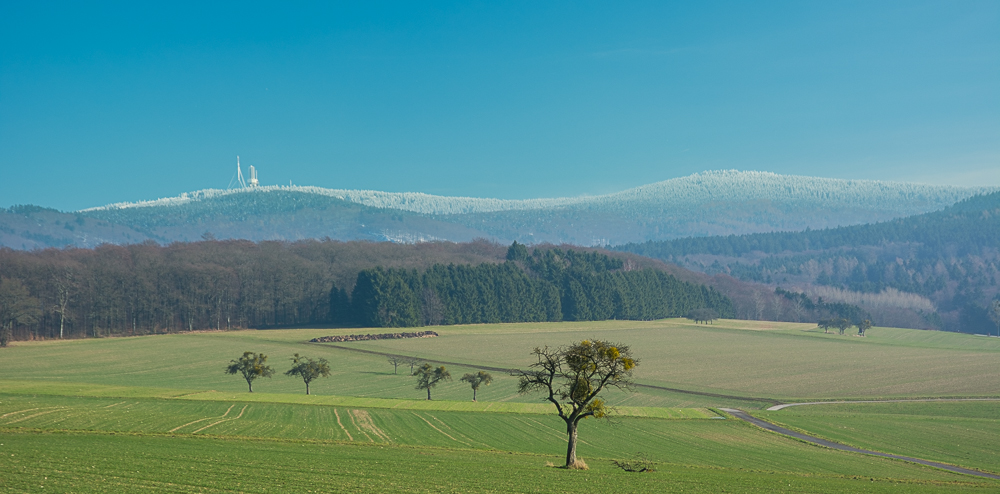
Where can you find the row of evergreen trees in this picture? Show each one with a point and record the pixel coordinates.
(546, 285)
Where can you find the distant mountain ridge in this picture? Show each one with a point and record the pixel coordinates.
(700, 188)
(942, 267)
(708, 203)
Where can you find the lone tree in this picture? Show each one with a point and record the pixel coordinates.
(864, 326)
(251, 365)
(412, 362)
(428, 377)
(395, 361)
(573, 376)
(476, 380)
(17, 306)
(309, 369)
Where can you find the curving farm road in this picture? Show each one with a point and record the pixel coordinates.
(848, 402)
(829, 444)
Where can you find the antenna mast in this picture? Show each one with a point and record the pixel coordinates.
(239, 173)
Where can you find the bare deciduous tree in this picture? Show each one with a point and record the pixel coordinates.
(395, 361)
(573, 376)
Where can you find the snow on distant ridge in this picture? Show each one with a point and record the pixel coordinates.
(700, 188)
(739, 186)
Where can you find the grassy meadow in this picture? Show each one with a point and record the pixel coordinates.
(961, 433)
(158, 412)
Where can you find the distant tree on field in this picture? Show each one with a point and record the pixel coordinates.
(573, 376)
(476, 380)
(308, 369)
(704, 315)
(995, 314)
(395, 361)
(17, 306)
(842, 324)
(826, 324)
(412, 362)
(864, 326)
(428, 377)
(251, 365)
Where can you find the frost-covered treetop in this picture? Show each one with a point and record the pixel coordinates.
(727, 186)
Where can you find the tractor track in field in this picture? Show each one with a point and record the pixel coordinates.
(508, 370)
(763, 424)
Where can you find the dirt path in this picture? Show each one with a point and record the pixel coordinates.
(848, 402)
(832, 445)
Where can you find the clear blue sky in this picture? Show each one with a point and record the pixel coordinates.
(105, 102)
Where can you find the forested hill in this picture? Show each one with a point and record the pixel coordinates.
(943, 268)
(969, 225)
(146, 288)
(548, 284)
(709, 203)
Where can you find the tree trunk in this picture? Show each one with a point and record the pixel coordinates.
(307, 388)
(473, 394)
(250, 385)
(428, 392)
(571, 447)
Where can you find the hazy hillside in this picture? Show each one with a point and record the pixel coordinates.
(940, 268)
(710, 203)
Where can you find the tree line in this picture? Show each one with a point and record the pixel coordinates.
(148, 288)
(545, 285)
(949, 257)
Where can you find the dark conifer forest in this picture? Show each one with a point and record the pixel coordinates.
(547, 285)
(147, 288)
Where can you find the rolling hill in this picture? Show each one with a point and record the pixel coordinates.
(942, 266)
(709, 203)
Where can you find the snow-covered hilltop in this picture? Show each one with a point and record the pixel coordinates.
(709, 203)
(728, 186)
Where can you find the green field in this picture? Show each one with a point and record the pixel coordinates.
(158, 412)
(960, 433)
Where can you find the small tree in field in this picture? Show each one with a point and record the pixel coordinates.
(412, 362)
(573, 376)
(476, 380)
(251, 365)
(842, 324)
(864, 326)
(395, 361)
(428, 377)
(309, 369)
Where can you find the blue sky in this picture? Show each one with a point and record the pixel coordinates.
(105, 102)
